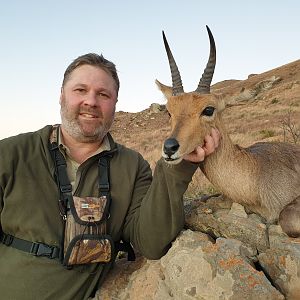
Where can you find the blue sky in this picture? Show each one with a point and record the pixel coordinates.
(39, 39)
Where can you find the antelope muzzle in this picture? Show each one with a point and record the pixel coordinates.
(170, 149)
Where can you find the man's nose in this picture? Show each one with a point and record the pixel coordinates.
(90, 99)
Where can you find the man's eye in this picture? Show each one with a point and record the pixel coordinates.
(80, 90)
(103, 95)
(208, 111)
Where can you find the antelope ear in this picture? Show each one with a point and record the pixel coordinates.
(166, 90)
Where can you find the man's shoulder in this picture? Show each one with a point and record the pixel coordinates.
(25, 139)
(129, 155)
(124, 150)
(128, 161)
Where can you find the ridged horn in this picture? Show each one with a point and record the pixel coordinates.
(205, 81)
(177, 87)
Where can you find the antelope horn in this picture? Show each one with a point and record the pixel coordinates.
(205, 81)
(177, 87)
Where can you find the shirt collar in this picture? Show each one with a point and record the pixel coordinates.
(105, 145)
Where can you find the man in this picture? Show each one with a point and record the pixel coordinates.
(146, 212)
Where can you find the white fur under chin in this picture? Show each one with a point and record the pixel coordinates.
(173, 162)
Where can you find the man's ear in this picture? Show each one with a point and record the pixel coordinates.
(61, 94)
(166, 90)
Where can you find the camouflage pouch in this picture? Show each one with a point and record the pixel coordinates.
(85, 239)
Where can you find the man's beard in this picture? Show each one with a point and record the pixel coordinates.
(74, 128)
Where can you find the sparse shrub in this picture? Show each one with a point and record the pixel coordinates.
(266, 133)
(291, 132)
(274, 101)
(295, 104)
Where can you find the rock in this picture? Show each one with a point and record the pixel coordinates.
(250, 94)
(267, 84)
(230, 223)
(238, 210)
(156, 108)
(195, 267)
(251, 75)
(282, 262)
(117, 279)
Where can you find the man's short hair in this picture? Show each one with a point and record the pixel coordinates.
(95, 60)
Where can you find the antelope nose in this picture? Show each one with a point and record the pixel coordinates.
(170, 146)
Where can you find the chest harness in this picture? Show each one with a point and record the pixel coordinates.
(84, 238)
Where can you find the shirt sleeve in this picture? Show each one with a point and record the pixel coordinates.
(156, 215)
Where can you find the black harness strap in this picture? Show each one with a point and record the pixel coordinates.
(104, 190)
(103, 171)
(63, 183)
(36, 248)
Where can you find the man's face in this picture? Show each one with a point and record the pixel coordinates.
(88, 101)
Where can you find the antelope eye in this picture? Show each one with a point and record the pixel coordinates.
(208, 111)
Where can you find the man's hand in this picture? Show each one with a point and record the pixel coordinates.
(211, 142)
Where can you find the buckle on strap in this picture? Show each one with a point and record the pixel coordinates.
(104, 187)
(40, 249)
(66, 188)
(7, 239)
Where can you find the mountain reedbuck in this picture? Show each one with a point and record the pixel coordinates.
(265, 177)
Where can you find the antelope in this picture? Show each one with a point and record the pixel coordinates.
(264, 178)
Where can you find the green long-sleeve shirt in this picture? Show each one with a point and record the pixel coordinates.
(144, 211)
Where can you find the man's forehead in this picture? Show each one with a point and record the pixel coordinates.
(85, 73)
(85, 69)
